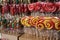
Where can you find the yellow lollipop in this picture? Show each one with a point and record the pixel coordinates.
(34, 21)
(48, 23)
(40, 26)
(57, 25)
(23, 20)
(26, 22)
(55, 19)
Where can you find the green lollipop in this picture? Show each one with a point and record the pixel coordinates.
(12, 25)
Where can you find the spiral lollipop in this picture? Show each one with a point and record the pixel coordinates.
(58, 5)
(48, 23)
(31, 7)
(30, 20)
(40, 26)
(39, 23)
(55, 19)
(34, 21)
(42, 6)
(37, 6)
(26, 22)
(23, 20)
(50, 7)
(57, 24)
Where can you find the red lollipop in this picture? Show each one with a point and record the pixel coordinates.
(37, 6)
(42, 6)
(4, 9)
(25, 7)
(21, 8)
(30, 20)
(12, 9)
(17, 8)
(50, 7)
(58, 5)
(31, 7)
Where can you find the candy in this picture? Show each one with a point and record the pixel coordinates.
(31, 7)
(50, 7)
(41, 22)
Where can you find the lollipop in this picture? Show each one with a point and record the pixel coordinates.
(25, 8)
(12, 9)
(3, 10)
(50, 7)
(42, 6)
(55, 19)
(48, 23)
(58, 5)
(21, 8)
(39, 23)
(26, 22)
(23, 20)
(40, 26)
(31, 7)
(37, 6)
(34, 21)
(30, 20)
(17, 8)
(39, 19)
(57, 25)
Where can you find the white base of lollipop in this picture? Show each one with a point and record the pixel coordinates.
(31, 31)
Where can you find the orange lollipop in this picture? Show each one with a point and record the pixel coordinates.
(57, 24)
(35, 20)
(39, 23)
(26, 22)
(40, 26)
(30, 20)
(23, 20)
(48, 23)
(55, 19)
